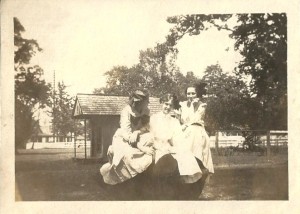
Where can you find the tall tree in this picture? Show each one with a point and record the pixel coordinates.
(121, 80)
(230, 105)
(262, 41)
(31, 91)
(25, 49)
(62, 122)
(156, 71)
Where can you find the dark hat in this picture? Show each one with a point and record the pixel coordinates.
(139, 95)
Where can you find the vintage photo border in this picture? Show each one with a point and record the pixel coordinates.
(7, 162)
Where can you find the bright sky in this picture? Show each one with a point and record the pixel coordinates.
(81, 40)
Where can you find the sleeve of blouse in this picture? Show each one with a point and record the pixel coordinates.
(177, 136)
(181, 121)
(199, 115)
(152, 124)
(125, 124)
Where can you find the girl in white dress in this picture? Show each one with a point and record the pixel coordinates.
(168, 144)
(191, 118)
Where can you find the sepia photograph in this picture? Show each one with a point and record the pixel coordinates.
(127, 101)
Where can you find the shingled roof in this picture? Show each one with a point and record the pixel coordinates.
(95, 104)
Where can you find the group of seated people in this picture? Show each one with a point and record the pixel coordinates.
(173, 143)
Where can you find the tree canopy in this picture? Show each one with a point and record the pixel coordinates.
(62, 103)
(262, 41)
(156, 72)
(31, 91)
(229, 104)
(61, 112)
(25, 49)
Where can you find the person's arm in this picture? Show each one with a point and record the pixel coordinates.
(145, 144)
(145, 124)
(149, 150)
(159, 144)
(125, 124)
(178, 139)
(133, 138)
(186, 115)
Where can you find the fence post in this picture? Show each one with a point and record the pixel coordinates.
(84, 138)
(217, 142)
(268, 145)
(74, 145)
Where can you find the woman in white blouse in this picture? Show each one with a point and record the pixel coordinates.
(168, 142)
(176, 172)
(191, 117)
(126, 160)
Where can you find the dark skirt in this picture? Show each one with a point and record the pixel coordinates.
(167, 184)
(160, 181)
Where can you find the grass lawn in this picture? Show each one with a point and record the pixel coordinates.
(52, 175)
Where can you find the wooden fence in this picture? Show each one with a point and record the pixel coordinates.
(266, 142)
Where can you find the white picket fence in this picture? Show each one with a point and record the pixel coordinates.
(277, 138)
(226, 141)
(57, 145)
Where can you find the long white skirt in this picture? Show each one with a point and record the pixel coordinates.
(188, 167)
(125, 162)
(197, 141)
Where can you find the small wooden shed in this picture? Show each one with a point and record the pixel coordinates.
(103, 113)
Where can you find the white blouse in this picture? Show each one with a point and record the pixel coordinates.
(165, 129)
(190, 115)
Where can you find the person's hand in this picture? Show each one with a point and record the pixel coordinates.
(196, 100)
(133, 138)
(183, 127)
(203, 105)
(147, 150)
